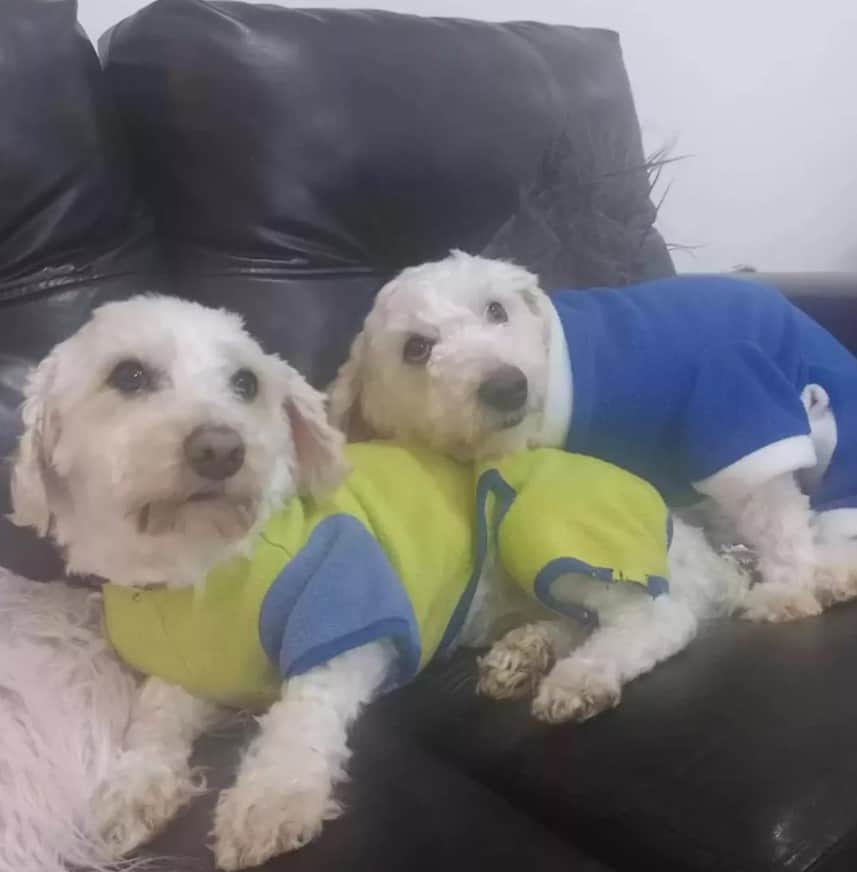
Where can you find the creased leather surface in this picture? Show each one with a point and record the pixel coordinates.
(295, 159)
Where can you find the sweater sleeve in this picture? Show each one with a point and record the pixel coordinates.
(338, 593)
(743, 423)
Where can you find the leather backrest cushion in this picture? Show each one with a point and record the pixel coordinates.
(829, 298)
(72, 233)
(295, 159)
(65, 194)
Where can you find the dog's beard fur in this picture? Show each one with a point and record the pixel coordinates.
(452, 423)
(459, 427)
(185, 506)
(147, 520)
(464, 430)
(230, 518)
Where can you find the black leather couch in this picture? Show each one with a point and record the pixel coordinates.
(284, 163)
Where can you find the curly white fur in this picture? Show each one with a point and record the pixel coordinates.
(65, 702)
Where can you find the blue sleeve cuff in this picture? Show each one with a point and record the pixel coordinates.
(338, 593)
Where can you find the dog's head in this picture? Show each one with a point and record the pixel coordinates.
(159, 436)
(453, 354)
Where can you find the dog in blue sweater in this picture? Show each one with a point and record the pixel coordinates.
(713, 389)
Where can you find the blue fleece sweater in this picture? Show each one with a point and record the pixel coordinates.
(710, 385)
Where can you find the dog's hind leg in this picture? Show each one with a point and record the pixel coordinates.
(776, 521)
(836, 548)
(152, 779)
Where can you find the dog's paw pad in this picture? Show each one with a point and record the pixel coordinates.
(776, 602)
(141, 796)
(260, 818)
(515, 665)
(576, 691)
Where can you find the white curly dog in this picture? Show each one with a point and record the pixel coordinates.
(470, 356)
(158, 439)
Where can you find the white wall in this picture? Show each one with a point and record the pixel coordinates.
(761, 95)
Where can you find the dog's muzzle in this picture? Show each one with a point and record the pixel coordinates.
(214, 452)
(504, 390)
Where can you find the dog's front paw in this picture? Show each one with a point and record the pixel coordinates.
(270, 812)
(516, 664)
(775, 602)
(577, 689)
(142, 795)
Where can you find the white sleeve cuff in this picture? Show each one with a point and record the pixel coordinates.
(739, 478)
(835, 526)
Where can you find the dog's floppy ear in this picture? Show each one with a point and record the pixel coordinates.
(534, 297)
(34, 479)
(344, 394)
(536, 300)
(319, 457)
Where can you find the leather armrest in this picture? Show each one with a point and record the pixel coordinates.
(828, 297)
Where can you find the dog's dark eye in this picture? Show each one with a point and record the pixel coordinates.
(417, 349)
(496, 313)
(131, 377)
(245, 384)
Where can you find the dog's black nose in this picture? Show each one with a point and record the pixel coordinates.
(215, 452)
(504, 390)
